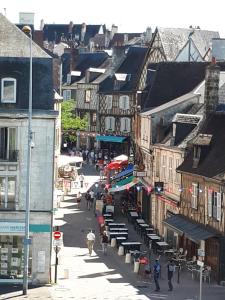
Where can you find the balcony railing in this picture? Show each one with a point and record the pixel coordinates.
(11, 156)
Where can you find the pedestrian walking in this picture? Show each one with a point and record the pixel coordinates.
(171, 270)
(88, 200)
(81, 178)
(90, 241)
(92, 195)
(105, 241)
(79, 195)
(156, 272)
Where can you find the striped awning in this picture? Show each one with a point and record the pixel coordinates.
(124, 184)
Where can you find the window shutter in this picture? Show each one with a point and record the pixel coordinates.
(218, 215)
(107, 124)
(68, 79)
(68, 94)
(127, 104)
(122, 123)
(112, 123)
(128, 125)
(64, 95)
(209, 203)
(194, 195)
(121, 102)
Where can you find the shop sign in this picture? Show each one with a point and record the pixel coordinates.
(12, 227)
(140, 173)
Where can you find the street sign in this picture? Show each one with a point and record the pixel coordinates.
(57, 235)
(200, 263)
(139, 173)
(57, 243)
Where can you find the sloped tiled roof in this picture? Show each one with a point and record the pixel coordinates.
(119, 38)
(172, 80)
(15, 43)
(174, 39)
(212, 160)
(131, 65)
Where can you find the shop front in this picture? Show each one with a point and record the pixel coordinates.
(12, 252)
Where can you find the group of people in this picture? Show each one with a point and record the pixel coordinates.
(91, 240)
(157, 272)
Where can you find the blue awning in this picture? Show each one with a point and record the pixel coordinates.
(125, 172)
(110, 138)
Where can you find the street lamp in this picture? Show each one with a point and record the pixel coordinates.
(27, 30)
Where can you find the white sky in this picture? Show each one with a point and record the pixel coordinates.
(129, 15)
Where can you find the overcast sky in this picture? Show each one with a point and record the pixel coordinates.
(128, 15)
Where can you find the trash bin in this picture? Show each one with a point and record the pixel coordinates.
(113, 242)
(128, 258)
(136, 266)
(121, 251)
(66, 273)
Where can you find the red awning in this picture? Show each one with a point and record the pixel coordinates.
(116, 165)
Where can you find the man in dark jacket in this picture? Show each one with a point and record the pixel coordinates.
(156, 273)
(171, 270)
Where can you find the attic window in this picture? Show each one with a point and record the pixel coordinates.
(8, 90)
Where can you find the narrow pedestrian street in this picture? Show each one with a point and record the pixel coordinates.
(104, 276)
(108, 277)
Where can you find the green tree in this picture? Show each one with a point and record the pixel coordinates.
(71, 123)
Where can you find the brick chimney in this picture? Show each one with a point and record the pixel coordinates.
(70, 27)
(74, 55)
(211, 98)
(118, 55)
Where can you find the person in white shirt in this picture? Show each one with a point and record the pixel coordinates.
(90, 241)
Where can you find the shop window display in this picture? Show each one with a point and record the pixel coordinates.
(12, 257)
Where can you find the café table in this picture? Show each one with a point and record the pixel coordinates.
(120, 239)
(142, 227)
(107, 221)
(108, 215)
(115, 234)
(117, 225)
(131, 246)
(161, 246)
(137, 222)
(111, 229)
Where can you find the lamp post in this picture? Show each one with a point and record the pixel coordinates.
(27, 30)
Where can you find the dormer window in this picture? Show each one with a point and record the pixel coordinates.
(8, 90)
(200, 142)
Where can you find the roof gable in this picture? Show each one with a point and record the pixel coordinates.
(15, 43)
(174, 39)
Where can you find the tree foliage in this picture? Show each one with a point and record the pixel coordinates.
(71, 123)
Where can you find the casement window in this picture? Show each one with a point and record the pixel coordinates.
(210, 197)
(216, 205)
(164, 167)
(87, 95)
(110, 123)
(124, 102)
(170, 169)
(68, 79)
(177, 175)
(8, 143)
(194, 196)
(125, 125)
(94, 118)
(109, 101)
(7, 193)
(8, 90)
(66, 94)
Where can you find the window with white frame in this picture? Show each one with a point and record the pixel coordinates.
(8, 90)
(164, 167)
(125, 124)
(94, 118)
(109, 102)
(87, 95)
(170, 169)
(8, 143)
(110, 123)
(124, 102)
(177, 175)
(194, 196)
(66, 94)
(7, 192)
(216, 205)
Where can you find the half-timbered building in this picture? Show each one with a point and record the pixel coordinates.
(117, 102)
(200, 224)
